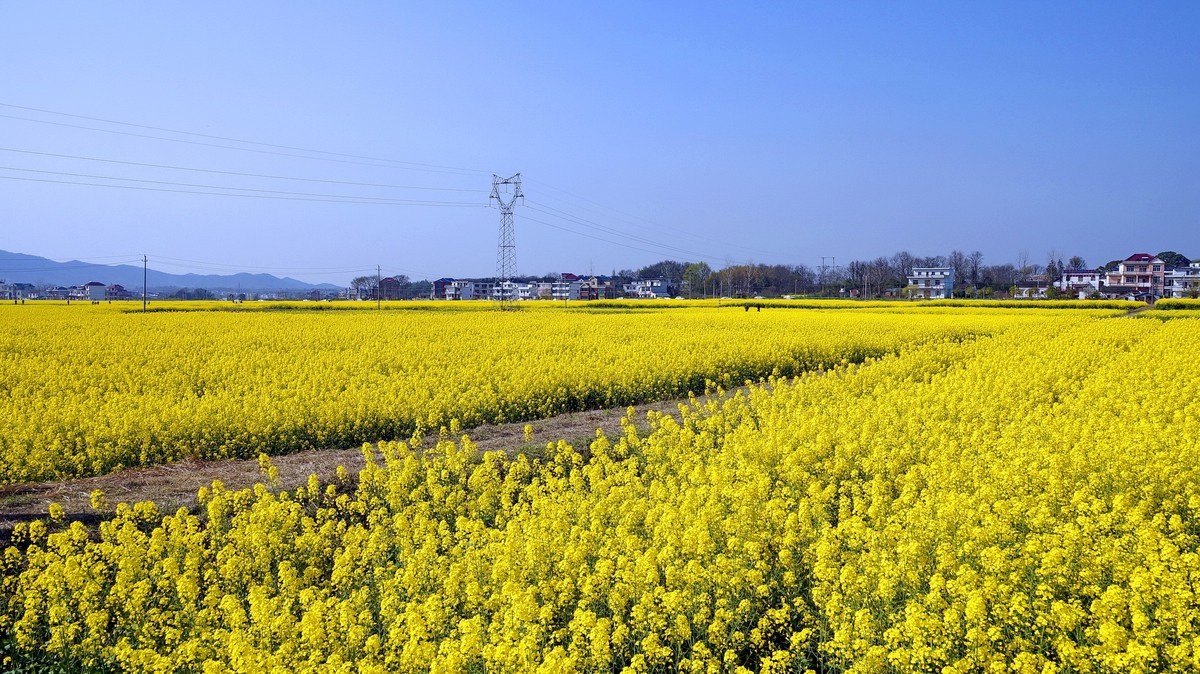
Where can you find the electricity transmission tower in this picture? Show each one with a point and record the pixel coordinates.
(506, 250)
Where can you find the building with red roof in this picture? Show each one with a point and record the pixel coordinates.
(1143, 272)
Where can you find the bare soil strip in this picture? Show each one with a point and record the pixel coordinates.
(175, 485)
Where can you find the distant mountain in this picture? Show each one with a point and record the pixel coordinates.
(21, 268)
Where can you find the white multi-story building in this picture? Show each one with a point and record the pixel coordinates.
(931, 283)
(564, 289)
(1081, 282)
(458, 290)
(1182, 281)
(508, 290)
(526, 291)
(470, 290)
(567, 287)
(647, 288)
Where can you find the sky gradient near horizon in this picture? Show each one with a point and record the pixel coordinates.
(319, 140)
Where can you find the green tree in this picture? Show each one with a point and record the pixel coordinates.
(1173, 259)
(694, 277)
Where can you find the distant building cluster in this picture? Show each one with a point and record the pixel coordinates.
(93, 291)
(1140, 276)
(566, 287)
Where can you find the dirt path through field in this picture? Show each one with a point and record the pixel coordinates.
(175, 485)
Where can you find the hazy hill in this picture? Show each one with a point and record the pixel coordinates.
(21, 268)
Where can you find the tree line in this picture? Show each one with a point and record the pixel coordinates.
(879, 277)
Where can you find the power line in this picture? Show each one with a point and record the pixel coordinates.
(583, 221)
(393, 164)
(542, 208)
(418, 165)
(226, 268)
(241, 174)
(245, 192)
(348, 200)
(200, 265)
(66, 266)
(241, 189)
(76, 259)
(256, 268)
(200, 269)
(615, 243)
(644, 221)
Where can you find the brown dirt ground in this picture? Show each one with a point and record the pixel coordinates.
(175, 485)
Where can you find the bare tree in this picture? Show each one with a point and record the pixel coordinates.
(976, 261)
(902, 264)
(877, 274)
(1023, 267)
(1054, 265)
(959, 262)
(361, 285)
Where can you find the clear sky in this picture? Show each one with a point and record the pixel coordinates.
(729, 132)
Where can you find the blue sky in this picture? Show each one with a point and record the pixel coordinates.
(728, 132)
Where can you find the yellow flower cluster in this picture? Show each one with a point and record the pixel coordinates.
(85, 390)
(1025, 501)
(1186, 304)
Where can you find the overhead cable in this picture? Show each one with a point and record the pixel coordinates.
(417, 165)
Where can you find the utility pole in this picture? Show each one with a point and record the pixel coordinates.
(143, 284)
(506, 249)
(378, 287)
(825, 272)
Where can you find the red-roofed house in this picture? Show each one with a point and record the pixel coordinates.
(1141, 271)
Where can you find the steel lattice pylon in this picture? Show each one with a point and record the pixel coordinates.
(506, 250)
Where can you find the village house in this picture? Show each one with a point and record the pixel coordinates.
(597, 288)
(439, 288)
(1138, 274)
(1081, 283)
(94, 291)
(565, 288)
(1030, 290)
(931, 283)
(17, 291)
(1182, 282)
(389, 288)
(648, 288)
(505, 291)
